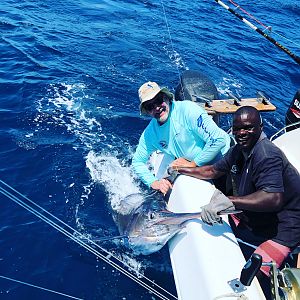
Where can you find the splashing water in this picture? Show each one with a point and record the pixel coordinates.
(69, 107)
(117, 179)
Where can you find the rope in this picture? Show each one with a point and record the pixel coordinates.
(39, 287)
(245, 243)
(105, 256)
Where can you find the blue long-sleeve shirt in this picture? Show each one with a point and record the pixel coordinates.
(189, 132)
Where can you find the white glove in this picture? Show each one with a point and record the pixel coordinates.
(218, 203)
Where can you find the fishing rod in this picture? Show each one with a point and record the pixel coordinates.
(273, 41)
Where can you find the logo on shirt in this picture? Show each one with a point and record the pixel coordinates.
(296, 108)
(234, 169)
(297, 103)
(201, 125)
(199, 121)
(295, 112)
(163, 144)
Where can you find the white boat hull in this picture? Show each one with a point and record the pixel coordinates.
(289, 144)
(204, 258)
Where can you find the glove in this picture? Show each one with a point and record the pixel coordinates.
(173, 174)
(218, 203)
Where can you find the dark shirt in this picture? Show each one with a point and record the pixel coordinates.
(293, 114)
(266, 168)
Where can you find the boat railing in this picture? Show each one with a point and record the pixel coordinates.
(283, 130)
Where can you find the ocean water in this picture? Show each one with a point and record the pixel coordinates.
(69, 120)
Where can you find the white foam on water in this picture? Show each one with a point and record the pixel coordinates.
(228, 85)
(68, 106)
(64, 105)
(117, 179)
(137, 266)
(271, 124)
(176, 58)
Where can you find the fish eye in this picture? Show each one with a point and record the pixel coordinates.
(152, 215)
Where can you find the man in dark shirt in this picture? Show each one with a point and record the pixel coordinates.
(266, 187)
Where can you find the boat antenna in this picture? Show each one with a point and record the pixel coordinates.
(261, 32)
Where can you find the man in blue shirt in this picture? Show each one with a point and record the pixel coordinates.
(181, 129)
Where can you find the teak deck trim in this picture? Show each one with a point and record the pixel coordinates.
(229, 106)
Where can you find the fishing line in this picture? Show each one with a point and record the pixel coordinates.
(269, 38)
(252, 17)
(282, 36)
(262, 24)
(39, 287)
(106, 256)
(171, 42)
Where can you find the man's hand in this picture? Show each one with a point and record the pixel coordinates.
(162, 185)
(182, 162)
(218, 203)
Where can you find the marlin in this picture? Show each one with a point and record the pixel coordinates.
(148, 225)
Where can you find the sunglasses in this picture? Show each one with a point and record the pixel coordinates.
(150, 105)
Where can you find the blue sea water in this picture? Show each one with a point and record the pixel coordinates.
(69, 120)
